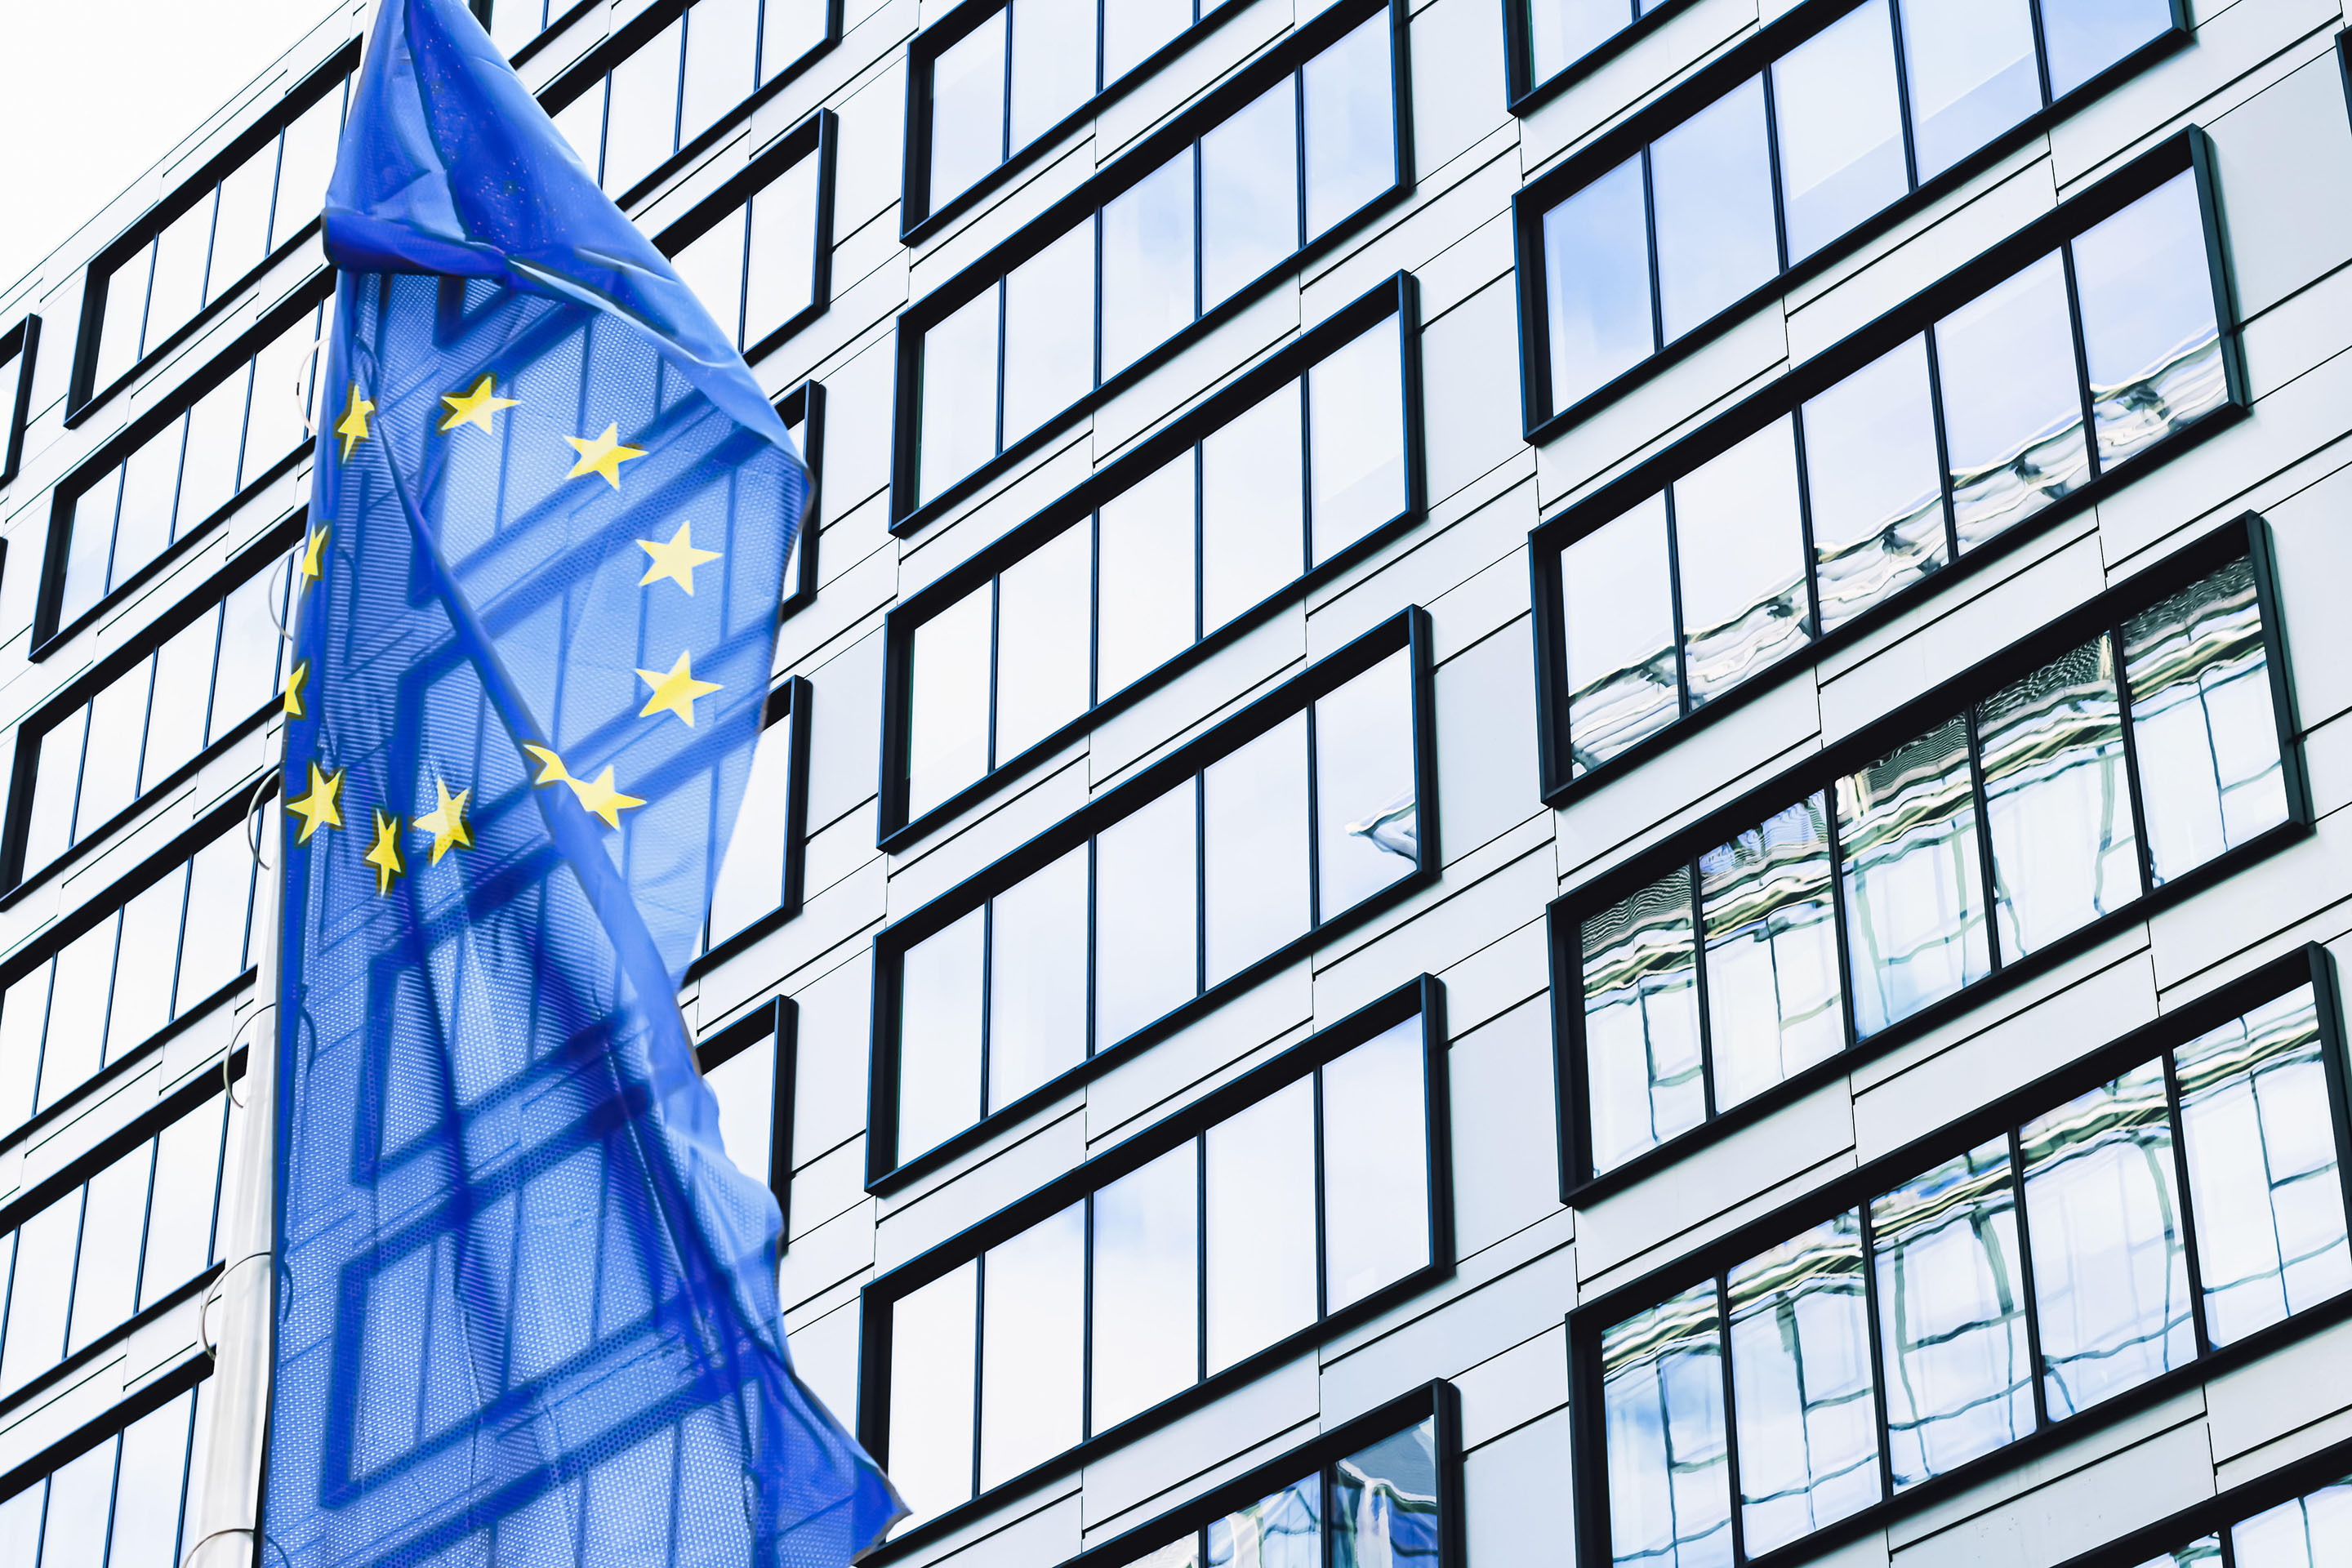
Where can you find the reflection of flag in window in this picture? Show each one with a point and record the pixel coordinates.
(1396, 828)
(1380, 1523)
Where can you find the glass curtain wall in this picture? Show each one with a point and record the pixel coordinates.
(756, 270)
(124, 1502)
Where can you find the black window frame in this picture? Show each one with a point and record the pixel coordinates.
(82, 396)
(20, 343)
(1408, 631)
(803, 405)
(2245, 537)
(1399, 297)
(1523, 95)
(2331, 1466)
(815, 136)
(2189, 151)
(564, 18)
(1590, 1321)
(789, 703)
(908, 512)
(916, 221)
(776, 1020)
(1628, 139)
(191, 1370)
(1422, 997)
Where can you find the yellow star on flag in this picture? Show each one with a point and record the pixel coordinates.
(676, 560)
(323, 806)
(313, 566)
(294, 682)
(476, 407)
(384, 853)
(601, 455)
(353, 426)
(676, 691)
(550, 766)
(446, 822)
(598, 795)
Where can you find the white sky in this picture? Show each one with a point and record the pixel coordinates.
(93, 93)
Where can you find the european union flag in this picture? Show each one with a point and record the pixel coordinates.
(526, 1307)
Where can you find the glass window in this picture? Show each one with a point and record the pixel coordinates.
(1032, 1343)
(1037, 984)
(1375, 1166)
(1249, 194)
(113, 1224)
(1914, 878)
(1282, 1530)
(1053, 63)
(959, 393)
(1384, 1502)
(2309, 1531)
(1562, 32)
(1147, 265)
(1641, 1050)
(744, 1085)
(1135, 30)
(1597, 279)
(1146, 616)
(1254, 859)
(1669, 1477)
(1774, 990)
(1041, 652)
(967, 110)
(947, 723)
(1356, 434)
(2148, 326)
(723, 52)
(1711, 192)
(2086, 37)
(940, 1032)
(1251, 517)
(1261, 1219)
(934, 1364)
(1049, 350)
(1623, 678)
(1351, 124)
(1840, 125)
(641, 113)
(1740, 538)
(1147, 915)
(1368, 818)
(1147, 1291)
(1971, 71)
(750, 881)
(2012, 402)
(780, 281)
(1870, 473)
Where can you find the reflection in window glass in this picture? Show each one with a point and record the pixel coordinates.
(934, 1358)
(1356, 399)
(1711, 195)
(967, 110)
(1641, 1023)
(1669, 1477)
(1037, 980)
(1970, 69)
(1261, 1220)
(1773, 992)
(2309, 1531)
(1914, 878)
(2086, 37)
(1870, 473)
(1254, 860)
(938, 1033)
(959, 393)
(1562, 32)
(1740, 539)
(1368, 820)
(2013, 404)
(1283, 1530)
(1147, 942)
(1597, 279)
(1375, 1166)
(1146, 615)
(1249, 194)
(1147, 267)
(1041, 644)
(947, 722)
(1840, 123)
(1624, 677)
(1053, 63)
(1251, 513)
(1048, 333)
(1385, 1503)
(2148, 326)
(744, 1085)
(1351, 123)
(1147, 1306)
(1033, 1302)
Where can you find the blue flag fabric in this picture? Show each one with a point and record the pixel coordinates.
(527, 1309)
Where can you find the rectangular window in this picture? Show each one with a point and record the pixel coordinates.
(1194, 879)
(1664, 599)
(1939, 1313)
(17, 346)
(1112, 584)
(1308, 1188)
(759, 254)
(135, 1487)
(760, 875)
(83, 763)
(1167, 237)
(1925, 857)
(1668, 229)
(749, 1066)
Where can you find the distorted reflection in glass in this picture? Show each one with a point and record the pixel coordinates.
(1147, 264)
(1037, 981)
(1740, 539)
(1640, 1022)
(1970, 67)
(1806, 1420)
(1252, 489)
(1914, 878)
(2200, 1553)
(1031, 1347)
(1367, 818)
(1041, 642)
(967, 110)
(1261, 1220)
(1355, 402)
(1183, 1554)
(2064, 847)
(2263, 1174)
(1254, 811)
(1617, 611)
(1145, 614)
(1249, 193)
(1958, 1372)
(939, 1034)
(2148, 323)
(934, 1359)
(2203, 721)
(1145, 1323)
(1840, 125)
(1669, 1475)
(2110, 1269)
(1384, 1510)
(1146, 915)
(1774, 990)
(1871, 475)
(1597, 284)
(958, 421)
(1049, 339)
(1711, 199)
(2314, 1530)
(1052, 64)
(2013, 401)
(1351, 123)
(1283, 1530)
(2086, 37)
(1375, 1166)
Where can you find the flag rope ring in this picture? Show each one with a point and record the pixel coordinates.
(252, 821)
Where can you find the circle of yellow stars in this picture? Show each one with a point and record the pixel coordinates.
(674, 691)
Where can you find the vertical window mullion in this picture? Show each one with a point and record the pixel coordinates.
(1003, 302)
(1903, 98)
(979, 1357)
(1650, 236)
(987, 976)
(1198, 785)
(2041, 51)
(2202, 1333)
(1322, 1242)
(1674, 598)
(1988, 874)
(1004, 120)
(1840, 917)
(1805, 522)
(1943, 449)
(2025, 1287)
(1698, 988)
(1772, 162)
(1314, 829)
(2145, 852)
(1200, 540)
(1878, 1347)
(2082, 359)
(1730, 1422)
(1093, 986)
(995, 663)
(1298, 119)
(1200, 1260)
(1087, 1322)
(1199, 226)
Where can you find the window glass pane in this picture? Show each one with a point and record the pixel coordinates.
(1038, 982)
(1771, 952)
(1740, 542)
(947, 703)
(1642, 1062)
(57, 775)
(221, 878)
(1032, 1345)
(175, 714)
(2262, 1173)
(711, 266)
(2110, 1270)
(1250, 524)
(1249, 191)
(1355, 400)
(1041, 645)
(1801, 1369)
(1147, 263)
(106, 1275)
(967, 110)
(782, 281)
(304, 165)
(722, 42)
(1669, 1481)
(143, 983)
(2204, 1554)
(1351, 130)
(1958, 1374)
(1254, 858)
(1914, 881)
(126, 309)
(216, 431)
(1617, 606)
(109, 772)
(180, 1221)
(1144, 616)
(1562, 32)
(24, 1014)
(2086, 37)
(1870, 473)
(1146, 1307)
(1146, 929)
(938, 1034)
(1183, 1554)
(241, 227)
(788, 30)
(1713, 178)
(40, 1291)
(151, 482)
(1285, 1530)
(1384, 1507)
(1367, 818)
(246, 675)
(1049, 339)
(273, 420)
(1135, 30)
(78, 1020)
(1841, 128)
(80, 1494)
(2202, 721)
(641, 120)
(1261, 1225)
(934, 1345)
(581, 123)
(1053, 63)
(1597, 282)
(958, 394)
(20, 1527)
(1375, 1166)
(154, 1467)
(744, 1085)
(2309, 1531)
(1970, 70)
(751, 881)
(2065, 849)
(92, 547)
(2147, 321)
(180, 252)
